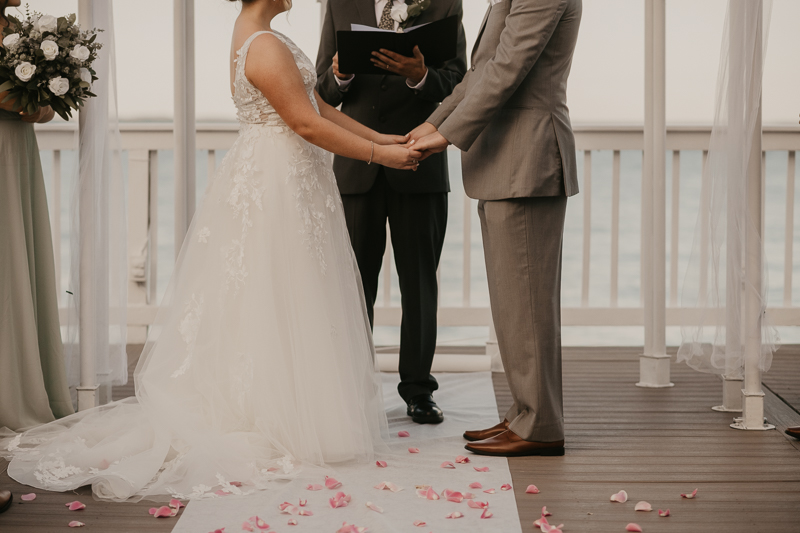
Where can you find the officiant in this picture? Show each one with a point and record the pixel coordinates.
(413, 203)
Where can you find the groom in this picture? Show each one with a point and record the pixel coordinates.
(509, 117)
(414, 203)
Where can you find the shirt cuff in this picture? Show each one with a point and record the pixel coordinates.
(344, 84)
(421, 84)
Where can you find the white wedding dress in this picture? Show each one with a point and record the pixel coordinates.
(260, 364)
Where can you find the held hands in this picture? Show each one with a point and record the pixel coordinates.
(399, 156)
(427, 139)
(413, 68)
(386, 140)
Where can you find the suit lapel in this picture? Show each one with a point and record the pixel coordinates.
(480, 33)
(366, 12)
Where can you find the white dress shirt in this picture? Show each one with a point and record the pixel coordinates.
(379, 5)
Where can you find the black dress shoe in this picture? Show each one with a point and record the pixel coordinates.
(5, 500)
(423, 410)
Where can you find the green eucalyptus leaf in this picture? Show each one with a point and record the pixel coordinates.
(6, 86)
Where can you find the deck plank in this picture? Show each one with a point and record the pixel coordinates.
(655, 444)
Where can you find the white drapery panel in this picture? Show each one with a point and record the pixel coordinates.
(97, 318)
(716, 282)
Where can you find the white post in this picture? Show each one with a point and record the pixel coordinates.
(184, 98)
(753, 397)
(138, 230)
(654, 371)
(88, 388)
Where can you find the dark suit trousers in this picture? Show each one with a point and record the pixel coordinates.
(522, 240)
(417, 225)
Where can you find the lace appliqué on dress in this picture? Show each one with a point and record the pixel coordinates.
(189, 328)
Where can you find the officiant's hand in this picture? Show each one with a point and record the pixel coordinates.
(426, 128)
(336, 68)
(413, 68)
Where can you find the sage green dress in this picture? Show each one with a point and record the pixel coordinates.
(33, 383)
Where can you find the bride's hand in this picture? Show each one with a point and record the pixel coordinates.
(396, 156)
(387, 140)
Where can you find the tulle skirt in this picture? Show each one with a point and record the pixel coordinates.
(260, 363)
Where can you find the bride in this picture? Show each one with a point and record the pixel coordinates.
(260, 363)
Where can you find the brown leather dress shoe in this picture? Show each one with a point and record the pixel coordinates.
(481, 434)
(5, 500)
(793, 432)
(509, 444)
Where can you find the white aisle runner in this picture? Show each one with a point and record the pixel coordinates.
(468, 402)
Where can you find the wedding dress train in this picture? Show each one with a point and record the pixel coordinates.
(260, 363)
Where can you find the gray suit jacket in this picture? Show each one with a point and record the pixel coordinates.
(385, 103)
(509, 116)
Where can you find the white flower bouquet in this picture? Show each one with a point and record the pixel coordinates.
(45, 61)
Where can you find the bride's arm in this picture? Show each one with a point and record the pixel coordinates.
(340, 119)
(271, 69)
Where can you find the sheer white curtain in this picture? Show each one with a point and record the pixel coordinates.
(99, 197)
(715, 282)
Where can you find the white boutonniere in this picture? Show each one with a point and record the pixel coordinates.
(405, 12)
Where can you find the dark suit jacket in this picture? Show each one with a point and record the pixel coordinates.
(386, 103)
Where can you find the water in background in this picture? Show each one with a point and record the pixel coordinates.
(600, 256)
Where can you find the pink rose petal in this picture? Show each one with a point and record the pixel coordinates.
(547, 528)
(636, 528)
(620, 497)
(461, 459)
(468, 496)
(663, 513)
(388, 485)
(374, 507)
(75, 523)
(481, 469)
(419, 523)
(236, 483)
(475, 485)
(490, 491)
(506, 487)
(643, 506)
(332, 483)
(340, 500)
(314, 487)
(477, 505)
(690, 496)
(303, 502)
(292, 522)
(246, 526)
(28, 497)
(176, 504)
(545, 512)
(403, 434)
(486, 513)
(413, 450)
(381, 464)
(221, 492)
(447, 464)
(427, 493)
(532, 489)
(541, 522)
(272, 469)
(75, 506)
(455, 497)
(163, 512)
(455, 514)
(350, 528)
(306, 512)
(260, 524)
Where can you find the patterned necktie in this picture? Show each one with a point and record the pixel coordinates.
(387, 22)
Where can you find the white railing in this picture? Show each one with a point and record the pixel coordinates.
(142, 142)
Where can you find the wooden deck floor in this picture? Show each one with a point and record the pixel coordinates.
(655, 444)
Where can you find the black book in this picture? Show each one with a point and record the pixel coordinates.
(438, 42)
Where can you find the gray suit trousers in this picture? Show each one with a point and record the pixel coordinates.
(522, 240)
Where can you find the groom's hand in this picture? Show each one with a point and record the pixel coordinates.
(431, 144)
(413, 68)
(426, 128)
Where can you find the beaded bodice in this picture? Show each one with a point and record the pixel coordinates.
(252, 107)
